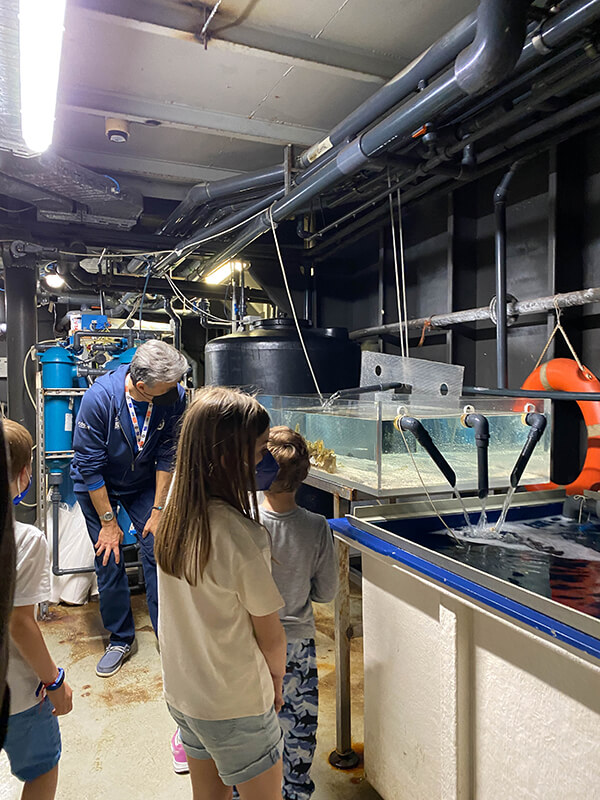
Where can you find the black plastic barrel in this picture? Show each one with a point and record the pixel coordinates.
(269, 359)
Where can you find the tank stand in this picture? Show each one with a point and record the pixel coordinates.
(347, 760)
(343, 757)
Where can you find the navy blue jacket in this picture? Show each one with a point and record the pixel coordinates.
(104, 444)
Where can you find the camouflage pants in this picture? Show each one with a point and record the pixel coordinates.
(298, 718)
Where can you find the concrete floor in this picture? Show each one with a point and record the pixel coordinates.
(116, 740)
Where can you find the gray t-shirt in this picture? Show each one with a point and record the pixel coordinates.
(304, 566)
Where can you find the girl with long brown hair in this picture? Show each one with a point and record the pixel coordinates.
(222, 644)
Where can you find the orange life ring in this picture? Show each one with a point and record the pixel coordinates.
(563, 374)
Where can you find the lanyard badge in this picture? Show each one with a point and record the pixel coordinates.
(140, 437)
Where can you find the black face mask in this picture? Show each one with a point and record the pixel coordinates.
(168, 398)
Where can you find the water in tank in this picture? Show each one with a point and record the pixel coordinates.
(354, 442)
(269, 358)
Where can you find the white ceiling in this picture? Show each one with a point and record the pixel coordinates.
(273, 71)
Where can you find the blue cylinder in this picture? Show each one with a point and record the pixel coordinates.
(123, 358)
(58, 372)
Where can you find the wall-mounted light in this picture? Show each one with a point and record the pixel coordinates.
(224, 271)
(52, 278)
(41, 26)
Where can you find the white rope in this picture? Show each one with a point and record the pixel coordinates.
(431, 503)
(212, 13)
(29, 355)
(396, 273)
(187, 250)
(291, 302)
(558, 327)
(402, 265)
(192, 306)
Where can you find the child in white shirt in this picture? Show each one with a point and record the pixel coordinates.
(38, 692)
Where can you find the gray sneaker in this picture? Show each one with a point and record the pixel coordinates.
(113, 659)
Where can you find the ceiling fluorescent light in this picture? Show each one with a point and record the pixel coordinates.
(41, 26)
(223, 272)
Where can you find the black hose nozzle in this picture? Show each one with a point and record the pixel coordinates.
(537, 424)
(424, 439)
(481, 426)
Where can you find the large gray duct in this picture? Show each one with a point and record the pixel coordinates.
(97, 200)
(10, 91)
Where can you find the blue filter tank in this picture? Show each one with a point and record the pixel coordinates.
(122, 358)
(58, 372)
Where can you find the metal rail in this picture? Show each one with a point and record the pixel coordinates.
(519, 308)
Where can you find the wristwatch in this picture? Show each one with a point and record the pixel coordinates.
(108, 517)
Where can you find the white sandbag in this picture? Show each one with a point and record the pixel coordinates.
(74, 550)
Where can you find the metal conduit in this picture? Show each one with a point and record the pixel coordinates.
(520, 308)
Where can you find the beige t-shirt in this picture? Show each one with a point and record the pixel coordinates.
(212, 666)
(32, 587)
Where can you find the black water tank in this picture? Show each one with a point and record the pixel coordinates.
(269, 358)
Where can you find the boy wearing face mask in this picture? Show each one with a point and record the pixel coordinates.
(38, 691)
(124, 443)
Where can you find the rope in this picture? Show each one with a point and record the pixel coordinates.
(396, 274)
(426, 327)
(431, 503)
(558, 327)
(291, 302)
(401, 231)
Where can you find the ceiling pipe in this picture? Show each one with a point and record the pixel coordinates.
(489, 160)
(481, 127)
(76, 277)
(434, 59)
(213, 190)
(214, 230)
(428, 64)
(423, 68)
(500, 196)
(506, 21)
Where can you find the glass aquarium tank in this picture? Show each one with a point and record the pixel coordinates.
(354, 442)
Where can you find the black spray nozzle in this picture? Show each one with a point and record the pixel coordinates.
(481, 426)
(537, 425)
(424, 439)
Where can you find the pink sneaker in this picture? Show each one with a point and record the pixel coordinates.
(180, 764)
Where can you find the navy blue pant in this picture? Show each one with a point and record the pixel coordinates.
(113, 586)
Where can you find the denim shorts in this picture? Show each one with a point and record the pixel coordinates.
(33, 742)
(241, 748)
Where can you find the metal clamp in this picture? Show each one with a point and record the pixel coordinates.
(512, 315)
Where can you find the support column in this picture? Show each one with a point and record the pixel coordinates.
(343, 757)
(21, 334)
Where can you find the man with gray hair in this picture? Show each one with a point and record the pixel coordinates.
(124, 444)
